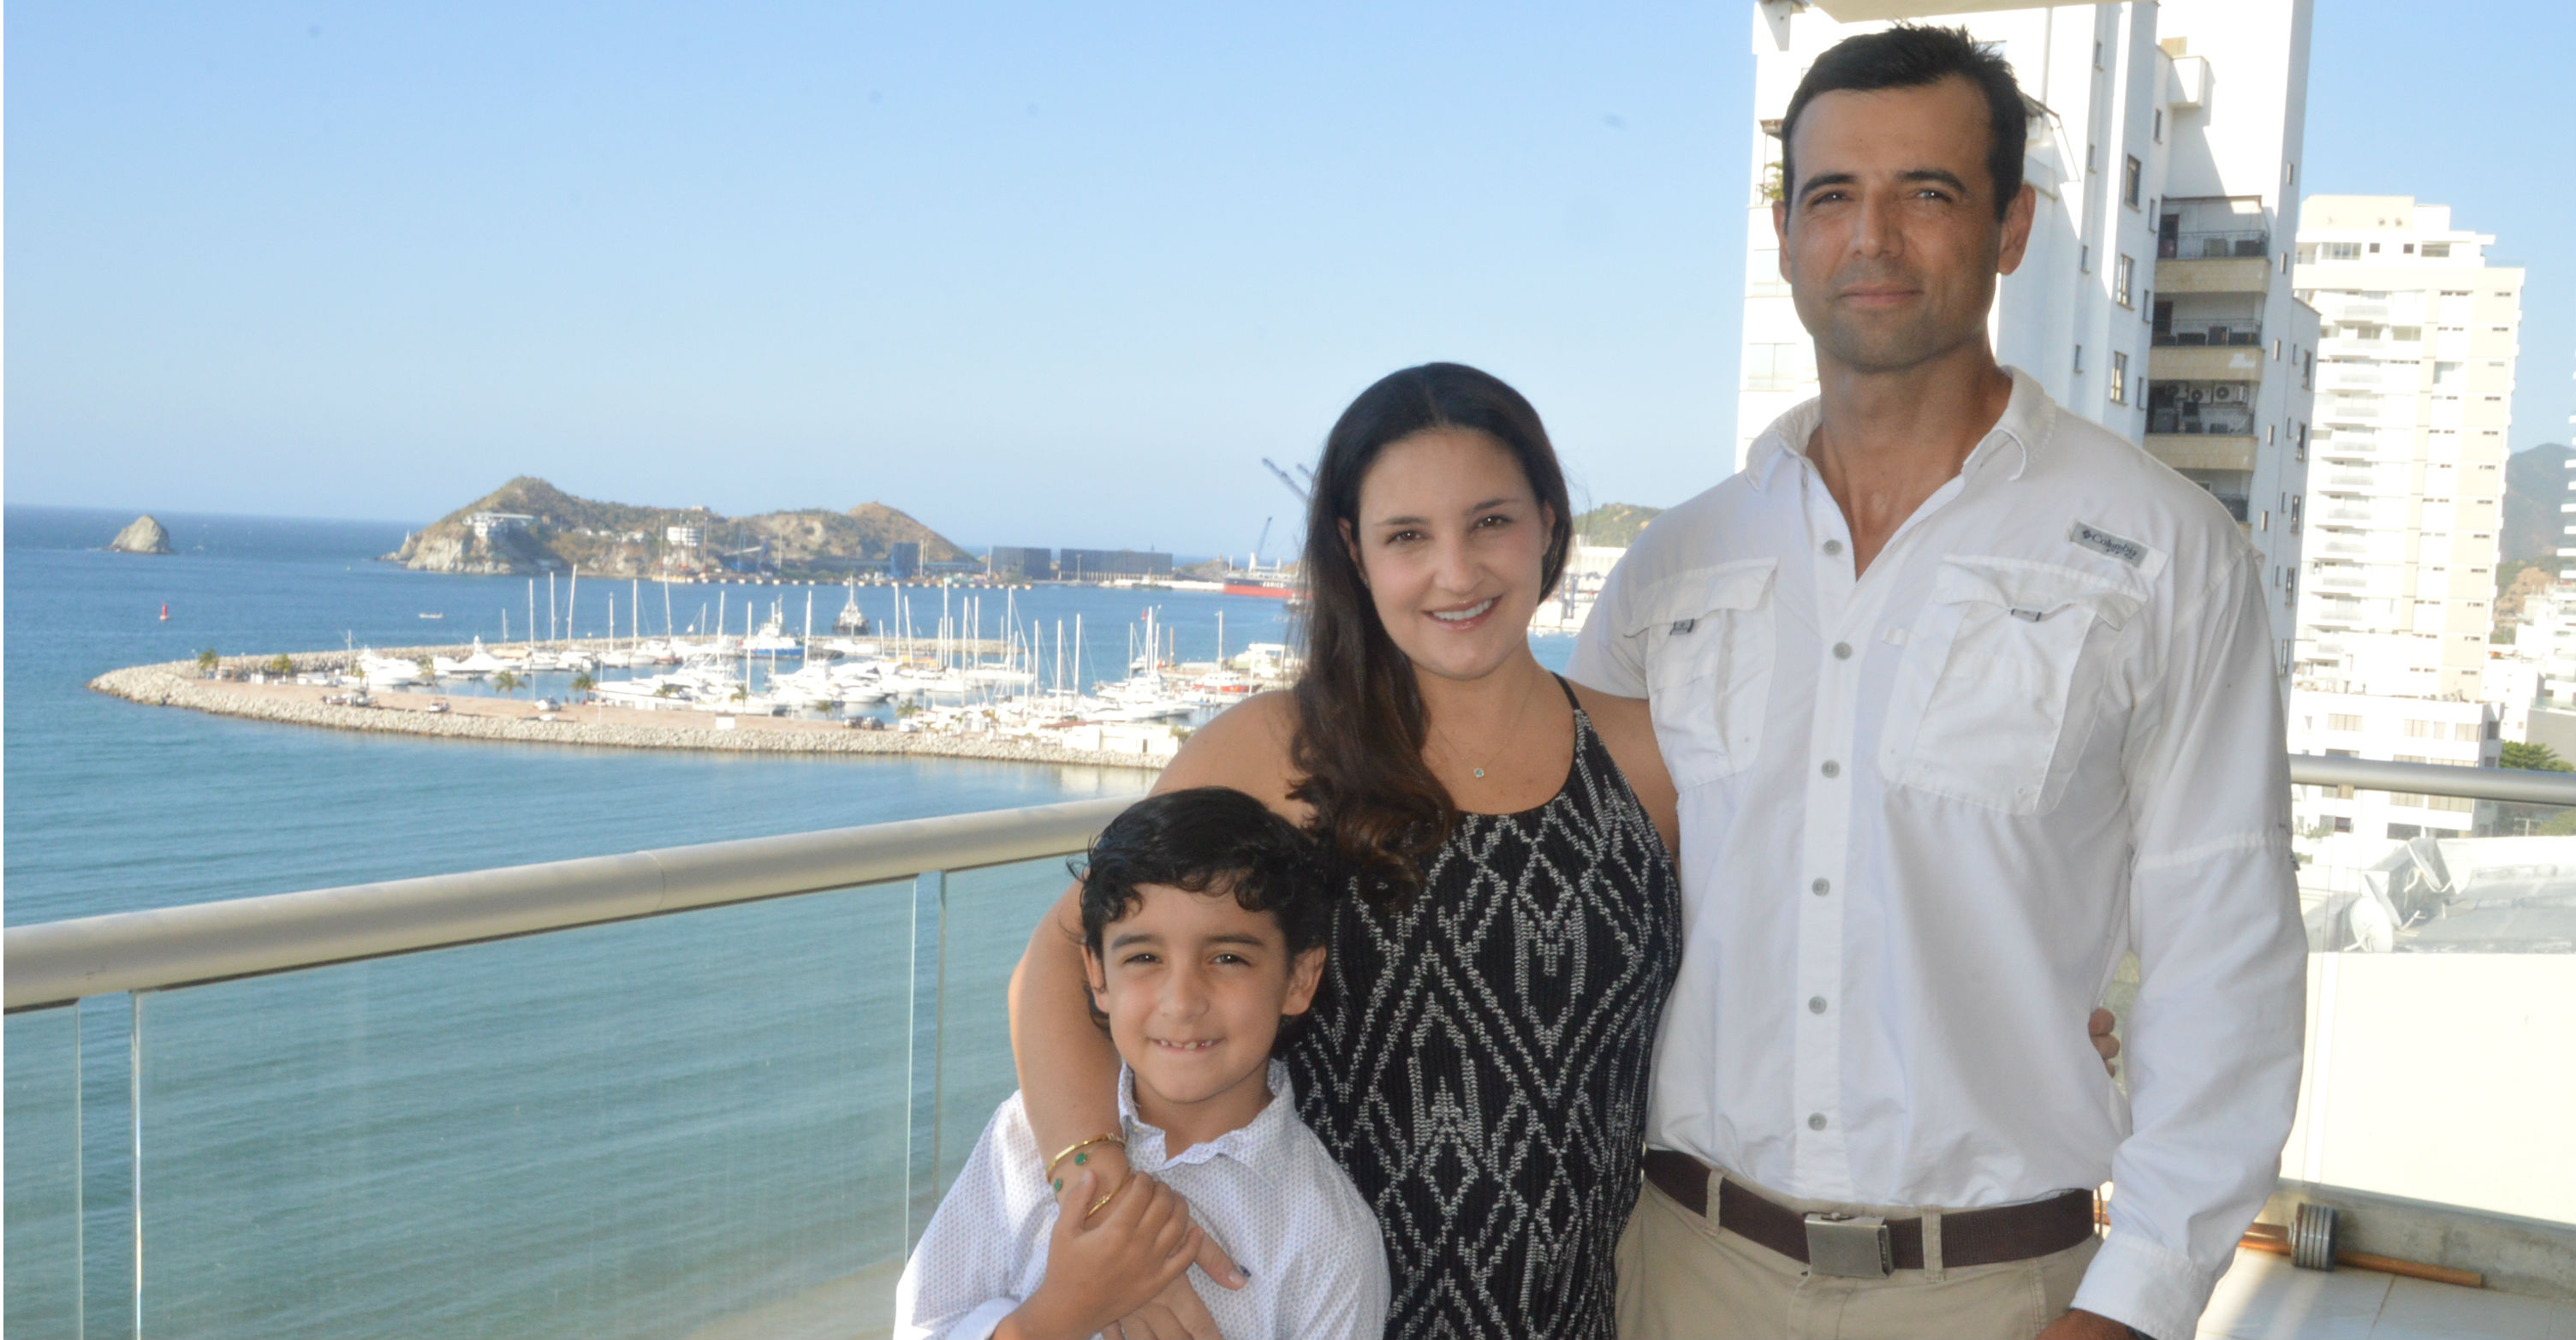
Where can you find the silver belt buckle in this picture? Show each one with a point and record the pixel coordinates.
(1853, 1246)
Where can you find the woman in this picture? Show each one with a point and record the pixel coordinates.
(1509, 922)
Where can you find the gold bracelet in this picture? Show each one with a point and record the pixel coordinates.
(1113, 1195)
(1069, 1150)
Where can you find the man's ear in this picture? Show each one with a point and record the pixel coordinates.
(1780, 233)
(1305, 973)
(2015, 241)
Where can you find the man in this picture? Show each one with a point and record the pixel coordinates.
(1966, 697)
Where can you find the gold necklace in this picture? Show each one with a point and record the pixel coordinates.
(1518, 711)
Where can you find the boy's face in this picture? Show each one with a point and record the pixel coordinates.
(1194, 987)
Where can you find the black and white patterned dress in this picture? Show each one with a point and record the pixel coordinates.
(1477, 1059)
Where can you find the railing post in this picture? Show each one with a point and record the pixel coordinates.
(921, 1122)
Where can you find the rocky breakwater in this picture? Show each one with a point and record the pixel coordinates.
(180, 684)
(144, 536)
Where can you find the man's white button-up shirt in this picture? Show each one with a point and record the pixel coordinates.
(1924, 812)
(1269, 1192)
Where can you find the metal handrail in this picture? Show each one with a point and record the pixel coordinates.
(2436, 779)
(57, 962)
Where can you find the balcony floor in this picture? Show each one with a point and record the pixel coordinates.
(2264, 1296)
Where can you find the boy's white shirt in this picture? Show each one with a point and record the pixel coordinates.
(1267, 1190)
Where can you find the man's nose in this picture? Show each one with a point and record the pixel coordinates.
(1875, 232)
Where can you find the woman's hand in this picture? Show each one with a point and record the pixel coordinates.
(1107, 1265)
(2097, 1030)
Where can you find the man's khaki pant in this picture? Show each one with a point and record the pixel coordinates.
(1683, 1276)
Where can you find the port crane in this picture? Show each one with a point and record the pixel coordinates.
(1301, 490)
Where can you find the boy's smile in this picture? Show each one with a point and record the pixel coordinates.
(1195, 987)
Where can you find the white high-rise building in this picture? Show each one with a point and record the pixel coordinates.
(2155, 296)
(2405, 507)
(2415, 394)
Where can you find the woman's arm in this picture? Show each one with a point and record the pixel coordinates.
(1627, 729)
(1068, 1069)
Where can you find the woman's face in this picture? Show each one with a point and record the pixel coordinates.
(1451, 539)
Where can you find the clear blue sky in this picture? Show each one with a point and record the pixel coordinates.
(1049, 275)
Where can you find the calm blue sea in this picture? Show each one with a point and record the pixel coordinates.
(637, 1129)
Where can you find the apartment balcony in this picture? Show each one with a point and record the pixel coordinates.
(2218, 273)
(2215, 244)
(2203, 451)
(2218, 331)
(718, 1090)
(2205, 363)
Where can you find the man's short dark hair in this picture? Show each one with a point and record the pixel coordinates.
(1207, 839)
(1913, 56)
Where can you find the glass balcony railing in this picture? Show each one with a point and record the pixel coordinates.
(2214, 244)
(717, 1090)
(2195, 332)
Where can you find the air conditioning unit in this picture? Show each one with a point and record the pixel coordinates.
(2199, 394)
(2223, 392)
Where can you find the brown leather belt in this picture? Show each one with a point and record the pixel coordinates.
(1968, 1237)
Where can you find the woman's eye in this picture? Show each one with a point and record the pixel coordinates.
(1404, 537)
(1493, 520)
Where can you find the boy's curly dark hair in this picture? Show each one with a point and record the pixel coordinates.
(1206, 839)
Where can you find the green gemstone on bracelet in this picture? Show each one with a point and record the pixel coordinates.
(1081, 1159)
(1059, 1184)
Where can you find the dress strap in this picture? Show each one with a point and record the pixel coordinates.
(1570, 699)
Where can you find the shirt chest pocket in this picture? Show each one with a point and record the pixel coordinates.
(1998, 684)
(1709, 648)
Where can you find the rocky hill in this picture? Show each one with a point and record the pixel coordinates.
(2535, 483)
(1614, 525)
(531, 526)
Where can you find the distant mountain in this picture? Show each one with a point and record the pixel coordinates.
(543, 529)
(1614, 525)
(2535, 483)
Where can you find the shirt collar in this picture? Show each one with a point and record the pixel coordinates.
(1247, 1144)
(2024, 428)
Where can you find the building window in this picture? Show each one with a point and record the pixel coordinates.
(2084, 260)
(2120, 274)
(2146, 305)
(2131, 178)
(2466, 732)
(2343, 721)
(2436, 250)
(2092, 158)
(2160, 125)
(2423, 730)
(2276, 348)
(2119, 379)
(2079, 360)
(2289, 174)
(2339, 251)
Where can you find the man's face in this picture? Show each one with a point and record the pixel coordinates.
(1889, 239)
(1194, 987)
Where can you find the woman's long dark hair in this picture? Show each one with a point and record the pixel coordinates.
(1360, 724)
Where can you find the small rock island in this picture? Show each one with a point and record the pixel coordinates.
(145, 536)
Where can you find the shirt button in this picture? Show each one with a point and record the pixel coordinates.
(1842, 651)
(1821, 887)
(1833, 769)
(1833, 546)
(1815, 1004)
(1815, 1121)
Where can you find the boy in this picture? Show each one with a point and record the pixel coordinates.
(1204, 923)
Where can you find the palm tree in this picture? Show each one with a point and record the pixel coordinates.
(207, 660)
(506, 682)
(281, 664)
(582, 684)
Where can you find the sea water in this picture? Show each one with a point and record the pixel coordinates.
(673, 1126)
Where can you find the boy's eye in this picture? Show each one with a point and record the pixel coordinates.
(1140, 956)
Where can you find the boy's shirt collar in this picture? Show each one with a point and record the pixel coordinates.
(1245, 1144)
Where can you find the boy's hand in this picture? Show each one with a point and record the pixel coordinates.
(1108, 1265)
